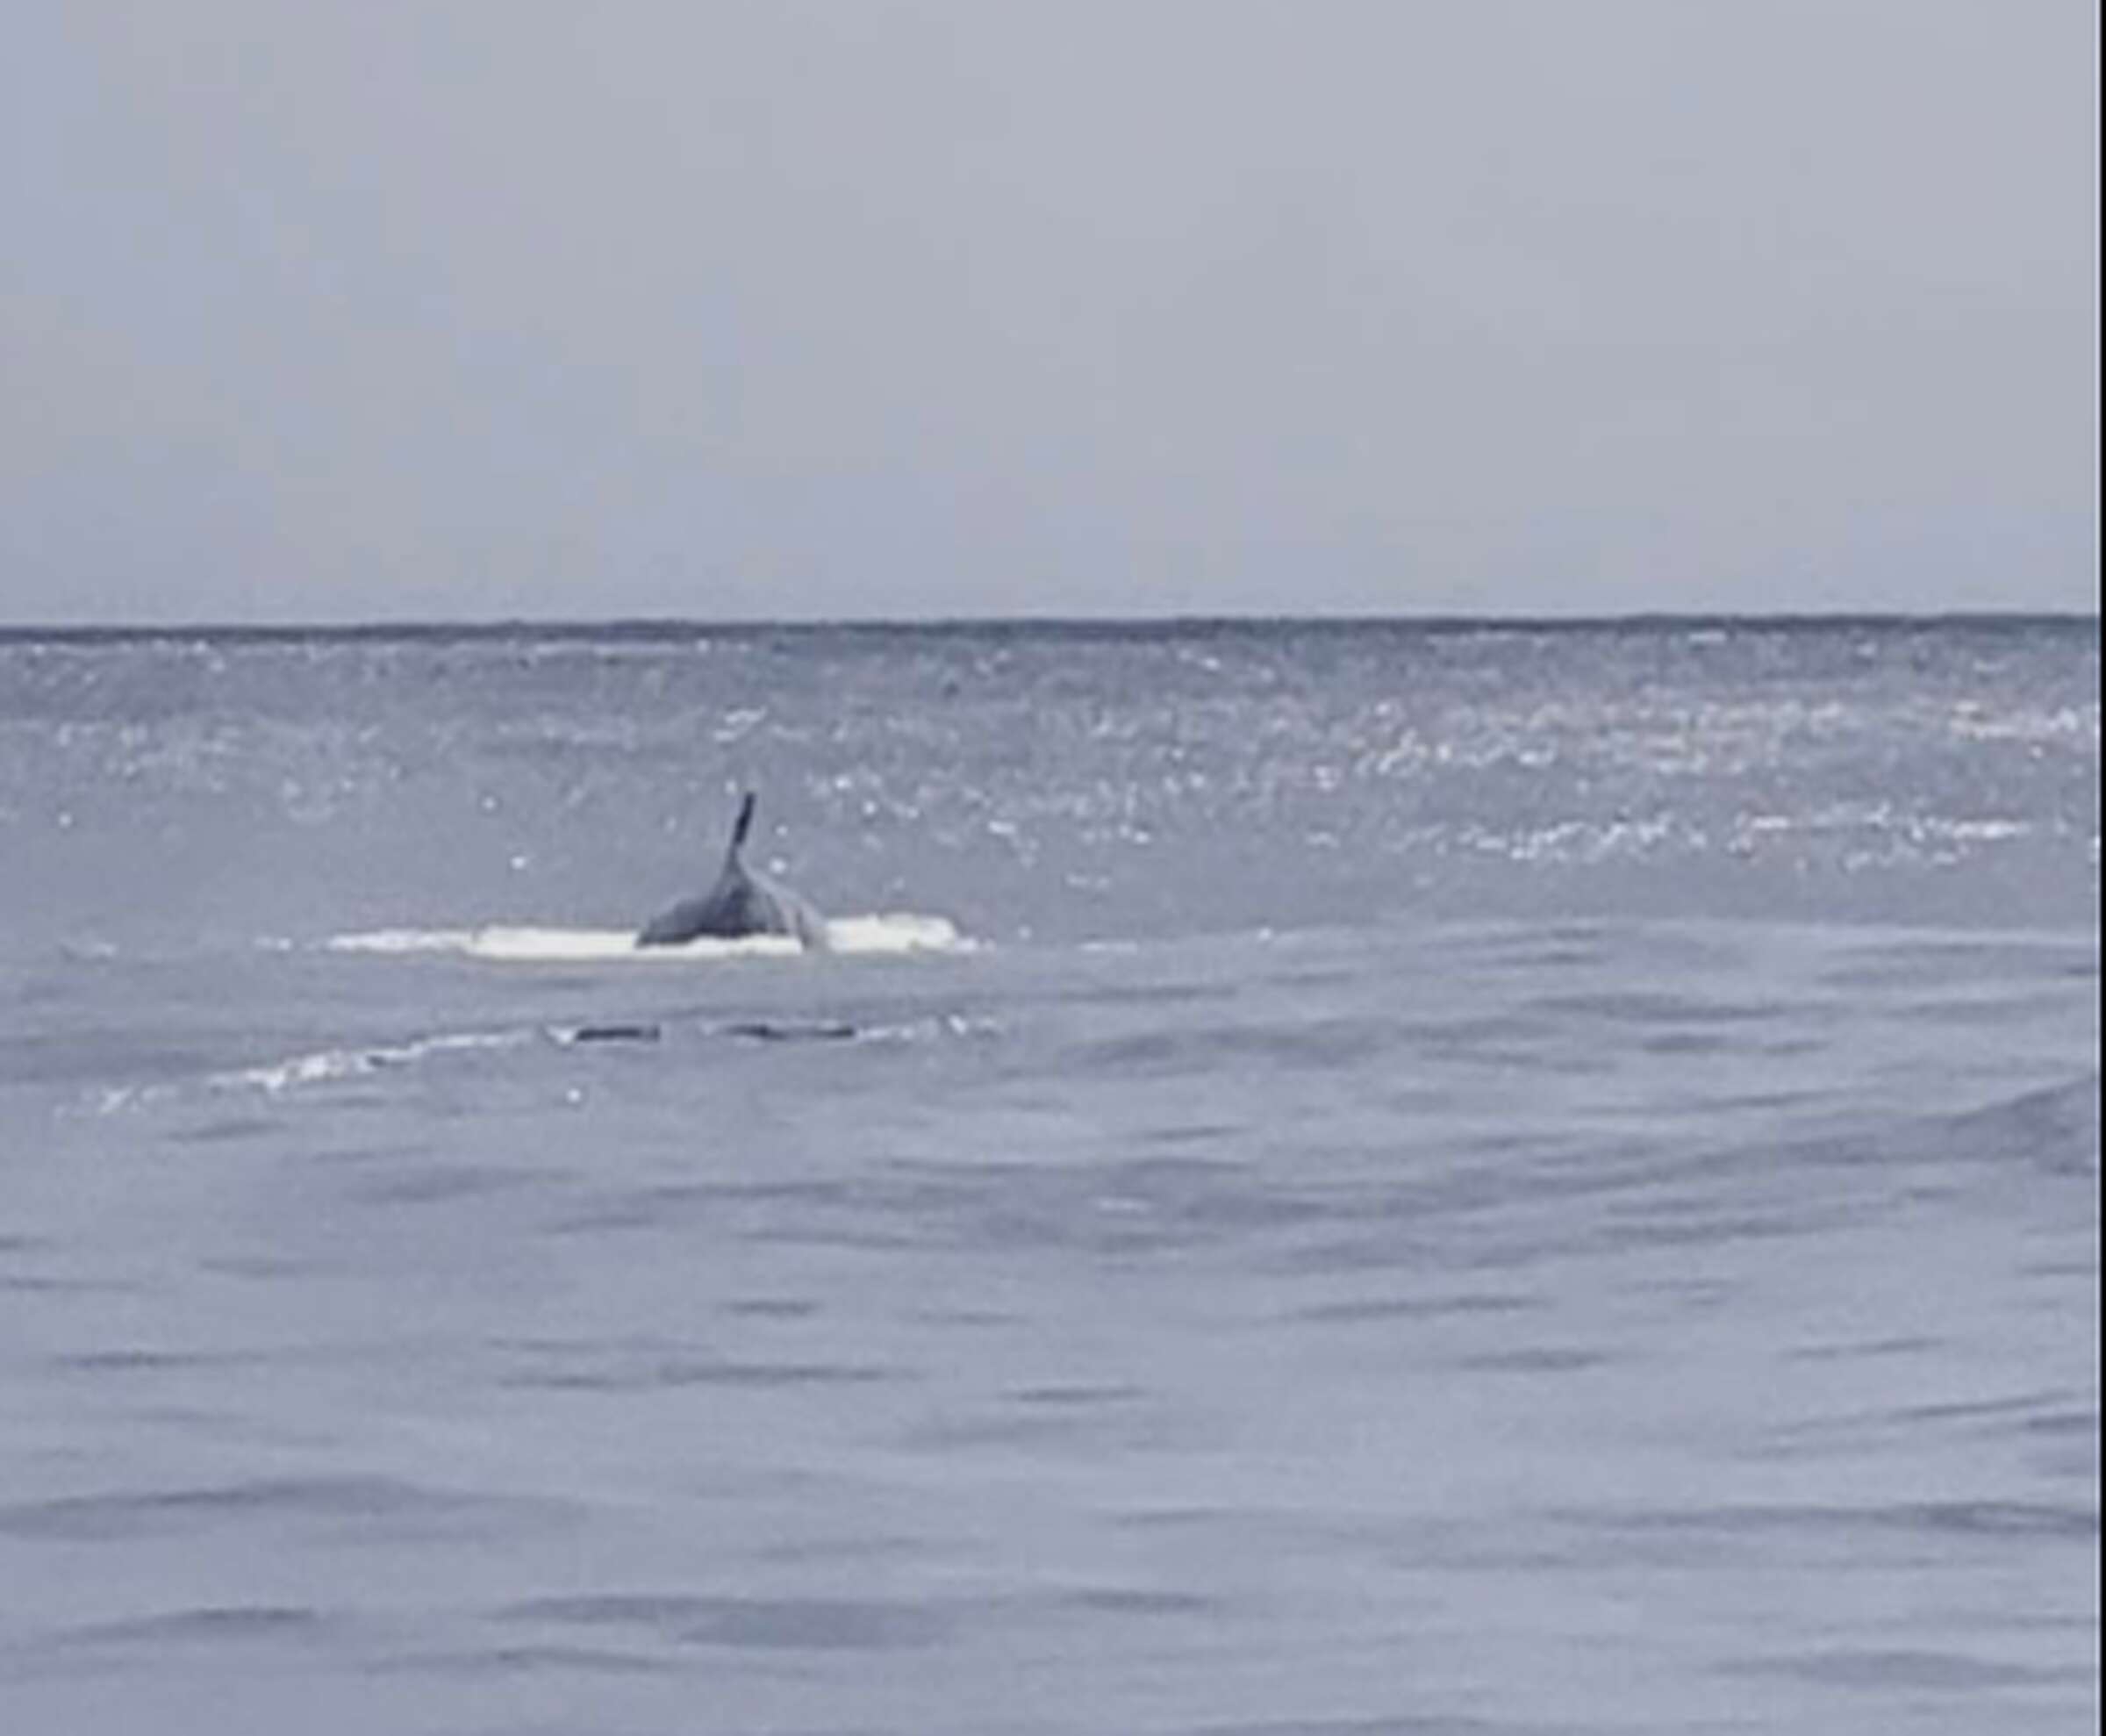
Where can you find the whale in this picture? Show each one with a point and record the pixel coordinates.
(741, 904)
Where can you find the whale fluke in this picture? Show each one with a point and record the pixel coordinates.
(741, 903)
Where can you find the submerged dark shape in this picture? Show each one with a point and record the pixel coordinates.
(807, 1031)
(741, 903)
(610, 1033)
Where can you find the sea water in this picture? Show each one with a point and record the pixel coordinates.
(1336, 1180)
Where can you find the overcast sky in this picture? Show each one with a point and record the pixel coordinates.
(361, 311)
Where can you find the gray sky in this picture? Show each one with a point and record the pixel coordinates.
(348, 312)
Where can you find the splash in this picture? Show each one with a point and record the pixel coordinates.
(889, 933)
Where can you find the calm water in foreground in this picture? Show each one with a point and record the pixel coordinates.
(1341, 1180)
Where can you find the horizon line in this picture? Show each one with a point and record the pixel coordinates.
(648, 626)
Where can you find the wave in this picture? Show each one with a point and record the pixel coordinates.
(885, 934)
(320, 1068)
(324, 1065)
(2055, 1127)
(316, 1066)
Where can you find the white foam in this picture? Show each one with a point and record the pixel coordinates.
(888, 933)
(323, 1065)
(896, 931)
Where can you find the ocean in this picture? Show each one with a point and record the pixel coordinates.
(1338, 1180)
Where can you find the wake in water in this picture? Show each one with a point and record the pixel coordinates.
(882, 935)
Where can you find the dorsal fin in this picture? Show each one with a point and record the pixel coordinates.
(742, 824)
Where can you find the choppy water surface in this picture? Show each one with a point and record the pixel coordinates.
(1341, 1180)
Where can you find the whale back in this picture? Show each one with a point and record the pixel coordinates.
(741, 903)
